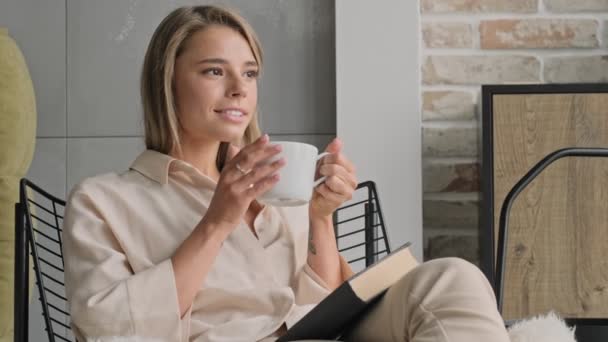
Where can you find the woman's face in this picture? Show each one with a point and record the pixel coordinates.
(215, 86)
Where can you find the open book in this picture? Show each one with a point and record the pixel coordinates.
(345, 304)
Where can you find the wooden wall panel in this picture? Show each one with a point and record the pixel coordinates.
(558, 229)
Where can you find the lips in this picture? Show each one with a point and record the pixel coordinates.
(235, 113)
(232, 114)
(232, 111)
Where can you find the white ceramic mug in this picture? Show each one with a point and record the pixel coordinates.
(297, 177)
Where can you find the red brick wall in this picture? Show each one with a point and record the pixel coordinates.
(466, 43)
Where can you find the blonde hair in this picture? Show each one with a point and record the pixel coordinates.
(160, 119)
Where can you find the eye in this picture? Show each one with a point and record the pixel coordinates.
(252, 73)
(212, 72)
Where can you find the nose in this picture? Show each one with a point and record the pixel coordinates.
(237, 88)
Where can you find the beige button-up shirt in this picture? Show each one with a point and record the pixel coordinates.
(120, 231)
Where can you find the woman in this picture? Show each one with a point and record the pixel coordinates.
(178, 249)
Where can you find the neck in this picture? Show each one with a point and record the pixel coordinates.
(202, 156)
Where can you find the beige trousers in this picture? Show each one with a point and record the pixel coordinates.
(443, 300)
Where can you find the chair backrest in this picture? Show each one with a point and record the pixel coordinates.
(360, 231)
(39, 219)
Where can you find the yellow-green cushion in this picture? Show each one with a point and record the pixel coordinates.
(17, 140)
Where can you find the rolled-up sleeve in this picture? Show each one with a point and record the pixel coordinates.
(106, 298)
(310, 286)
(311, 289)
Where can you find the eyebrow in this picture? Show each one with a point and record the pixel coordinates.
(223, 61)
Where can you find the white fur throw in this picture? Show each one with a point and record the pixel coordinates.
(547, 328)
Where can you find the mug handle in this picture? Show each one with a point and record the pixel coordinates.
(322, 179)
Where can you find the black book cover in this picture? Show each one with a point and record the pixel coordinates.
(343, 307)
(330, 317)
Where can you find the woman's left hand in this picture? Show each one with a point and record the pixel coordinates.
(339, 185)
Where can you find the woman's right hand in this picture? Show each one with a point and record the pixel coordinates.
(245, 176)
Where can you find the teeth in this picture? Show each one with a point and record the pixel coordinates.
(235, 113)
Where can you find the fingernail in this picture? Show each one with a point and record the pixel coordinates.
(277, 148)
(264, 138)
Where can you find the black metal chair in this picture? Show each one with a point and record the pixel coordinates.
(587, 329)
(359, 227)
(38, 223)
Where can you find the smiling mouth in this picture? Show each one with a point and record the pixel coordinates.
(234, 113)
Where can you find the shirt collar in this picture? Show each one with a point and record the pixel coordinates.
(159, 166)
(154, 165)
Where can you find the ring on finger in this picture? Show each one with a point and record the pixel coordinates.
(241, 170)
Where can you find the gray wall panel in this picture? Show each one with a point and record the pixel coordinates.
(91, 156)
(38, 27)
(48, 167)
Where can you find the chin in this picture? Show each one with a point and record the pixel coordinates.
(232, 137)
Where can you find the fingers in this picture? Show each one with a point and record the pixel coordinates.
(249, 157)
(262, 186)
(341, 180)
(335, 146)
(256, 145)
(258, 174)
(329, 195)
(258, 152)
(339, 187)
(340, 159)
(335, 170)
(249, 172)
